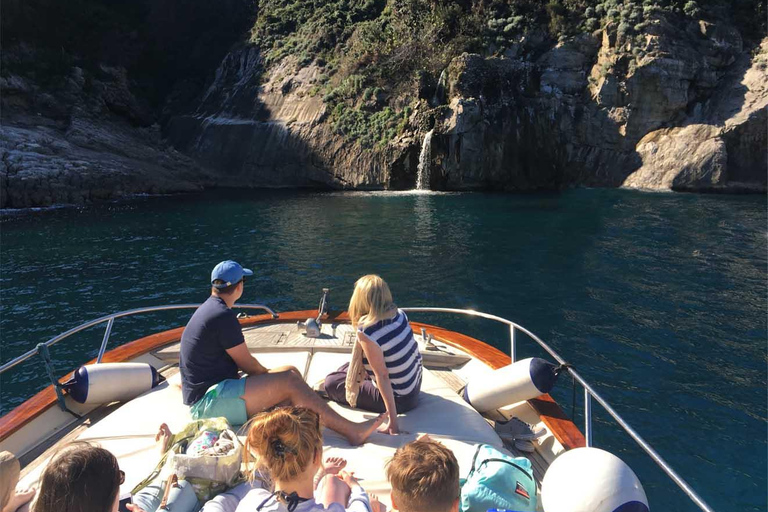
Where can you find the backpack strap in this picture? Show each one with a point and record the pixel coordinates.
(159, 466)
(526, 472)
(173, 481)
(474, 459)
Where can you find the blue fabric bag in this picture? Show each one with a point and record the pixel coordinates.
(498, 480)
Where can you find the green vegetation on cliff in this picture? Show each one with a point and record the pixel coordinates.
(378, 56)
(375, 57)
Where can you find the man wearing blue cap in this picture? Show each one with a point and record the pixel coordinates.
(213, 350)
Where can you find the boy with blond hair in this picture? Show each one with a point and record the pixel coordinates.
(424, 476)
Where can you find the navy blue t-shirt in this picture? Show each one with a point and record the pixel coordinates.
(203, 359)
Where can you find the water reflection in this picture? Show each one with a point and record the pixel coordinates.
(660, 300)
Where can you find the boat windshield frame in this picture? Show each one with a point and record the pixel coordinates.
(589, 391)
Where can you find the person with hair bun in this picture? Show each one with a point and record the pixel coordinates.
(385, 376)
(287, 442)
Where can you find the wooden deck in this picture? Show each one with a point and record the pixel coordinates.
(286, 337)
(441, 359)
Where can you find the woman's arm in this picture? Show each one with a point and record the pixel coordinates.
(375, 358)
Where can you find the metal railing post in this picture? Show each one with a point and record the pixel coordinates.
(588, 417)
(512, 344)
(105, 341)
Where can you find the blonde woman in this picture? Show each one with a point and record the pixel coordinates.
(390, 356)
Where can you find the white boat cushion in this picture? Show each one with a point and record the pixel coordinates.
(129, 431)
(441, 413)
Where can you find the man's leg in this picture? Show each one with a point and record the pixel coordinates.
(269, 389)
(279, 369)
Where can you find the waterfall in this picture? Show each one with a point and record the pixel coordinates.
(439, 97)
(425, 160)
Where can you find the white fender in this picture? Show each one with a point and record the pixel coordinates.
(111, 382)
(591, 480)
(523, 380)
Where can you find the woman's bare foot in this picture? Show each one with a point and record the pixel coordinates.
(376, 505)
(364, 430)
(20, 498)
(163, 437)
(334, 464)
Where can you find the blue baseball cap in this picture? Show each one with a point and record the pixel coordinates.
(231, 272)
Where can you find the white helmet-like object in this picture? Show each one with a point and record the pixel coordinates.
(591, 480)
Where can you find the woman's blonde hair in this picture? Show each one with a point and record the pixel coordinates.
(9, 477)
(371, 301)
(284, 441)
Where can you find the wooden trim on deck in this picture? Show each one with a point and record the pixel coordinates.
(551, 414)
(564, 430)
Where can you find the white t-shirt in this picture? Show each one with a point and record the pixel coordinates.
(358, 502)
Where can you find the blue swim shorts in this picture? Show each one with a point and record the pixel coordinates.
(223, 399)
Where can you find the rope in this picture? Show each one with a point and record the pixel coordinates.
(291, 500)
(42, 349)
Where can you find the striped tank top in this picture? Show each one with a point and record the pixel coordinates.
(401, 352)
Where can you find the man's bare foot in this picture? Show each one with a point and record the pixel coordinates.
(20, 498)
(163, 437)
(364, 430)
(376, 505)
(424, 437)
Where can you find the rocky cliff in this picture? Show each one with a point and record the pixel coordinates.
(690, 114)
(76, 143)
(472, 96)
(685, 111)
(719, 145)
(85, 86)
(264, 129)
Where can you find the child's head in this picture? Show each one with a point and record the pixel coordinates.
(371, 301)
(9, 477)
(286, 441)
(424, 476)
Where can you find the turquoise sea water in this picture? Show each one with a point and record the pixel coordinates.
(658, 299)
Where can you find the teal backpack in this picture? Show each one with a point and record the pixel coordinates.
(498, 480)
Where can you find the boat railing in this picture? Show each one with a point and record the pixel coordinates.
(589, 395)
(110, 320)
(589, 391)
